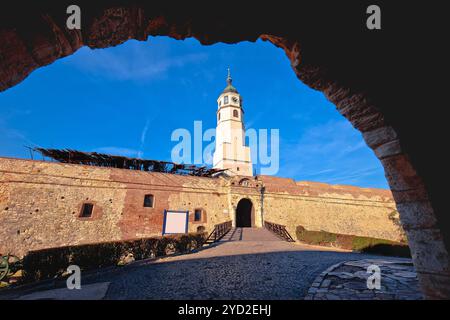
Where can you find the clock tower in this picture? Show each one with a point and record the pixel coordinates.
(231, 152)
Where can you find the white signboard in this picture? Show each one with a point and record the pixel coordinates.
(175, 222)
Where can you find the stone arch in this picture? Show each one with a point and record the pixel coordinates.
(369, 91)
(245, 182)
(245, 213)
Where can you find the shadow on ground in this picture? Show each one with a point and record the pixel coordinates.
(255, 265)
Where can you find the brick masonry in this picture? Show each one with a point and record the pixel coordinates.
(40, 204)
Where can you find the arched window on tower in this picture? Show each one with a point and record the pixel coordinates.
(244, 182)
(235, 113)
(218, 116)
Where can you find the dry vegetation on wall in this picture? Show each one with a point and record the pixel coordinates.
(394, 216)
(53, 262)
(355, 243)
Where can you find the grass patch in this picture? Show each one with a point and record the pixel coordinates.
(315, 237)
(360, 243)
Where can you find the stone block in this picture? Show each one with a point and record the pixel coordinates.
(379, 136)
(418, 214)
(434, 286)
(428, 251)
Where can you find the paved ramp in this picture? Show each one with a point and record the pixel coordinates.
(249, 234)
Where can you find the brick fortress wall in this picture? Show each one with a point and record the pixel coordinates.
(40, 204)
(333, 208)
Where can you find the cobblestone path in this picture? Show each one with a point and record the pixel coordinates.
(246, 264)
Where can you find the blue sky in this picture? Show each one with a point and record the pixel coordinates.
(128, 99)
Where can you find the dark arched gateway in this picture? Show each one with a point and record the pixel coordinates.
(244, 213)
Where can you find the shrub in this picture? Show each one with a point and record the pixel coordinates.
(356, 243)
(394, 216)
(315, 237)
(53, 262)
(344, 241)
(359, 243)
(396, 250)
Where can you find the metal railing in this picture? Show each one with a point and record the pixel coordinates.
(279, 230)
(219, 231)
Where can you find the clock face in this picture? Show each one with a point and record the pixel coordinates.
(235, 100)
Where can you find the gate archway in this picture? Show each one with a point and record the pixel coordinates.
(245, 214)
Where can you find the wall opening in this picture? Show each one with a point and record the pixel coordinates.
(148, 201)
(86, 210)
(244, 214)
(198, 215)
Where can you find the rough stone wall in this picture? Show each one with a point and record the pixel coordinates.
(337, 215)
(40, 204)
(44, 200)
(333, 208)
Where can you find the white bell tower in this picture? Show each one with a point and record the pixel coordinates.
(231, 152)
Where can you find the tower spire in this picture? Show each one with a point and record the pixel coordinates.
(229, 87)
(229, 79)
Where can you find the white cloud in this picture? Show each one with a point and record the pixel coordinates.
(333, 152)
(14, 135)
(143, 137)
(137, 61)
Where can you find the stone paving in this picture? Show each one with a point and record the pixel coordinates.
(246, 264)
(349, 281)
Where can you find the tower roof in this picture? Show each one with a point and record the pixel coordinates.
(229, 87)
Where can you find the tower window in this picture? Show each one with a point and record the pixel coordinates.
(244, 182)
(198, 215)
(148, 201)
(225, 100)
(219, 116)
(235, 113)
(86, 210)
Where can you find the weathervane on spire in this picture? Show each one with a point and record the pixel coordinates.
(229, 79)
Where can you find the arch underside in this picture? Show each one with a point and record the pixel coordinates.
(366, 75)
